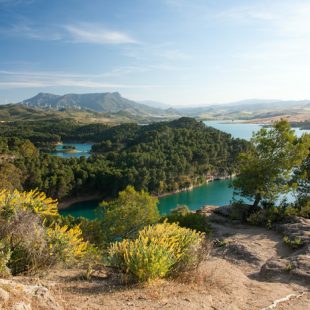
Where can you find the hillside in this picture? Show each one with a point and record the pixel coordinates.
(252, 109)
(98, 102)
(159, 158)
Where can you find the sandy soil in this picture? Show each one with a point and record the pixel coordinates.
(222, 282)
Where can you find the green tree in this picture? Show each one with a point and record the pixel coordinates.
(302, 179)
(128, 213)
(266, 168)
(10, 176)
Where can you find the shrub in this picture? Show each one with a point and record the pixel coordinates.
(158, 251)
(128, 213)
(38, 203)
(240, 211)
(5, 255)
(31, 238)
(293, 243)
(66, 244)
(184, 218)
(181, 209)
(268, 216)
(302, 210)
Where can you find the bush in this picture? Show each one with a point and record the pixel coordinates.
(66, 244)
(158, 251)
(5, 255)
(268, 216)
(293, 243)
(184, 218)
(127, 214)
(240, 211)
(302, 210)
(28, 234)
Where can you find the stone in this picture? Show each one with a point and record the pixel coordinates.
(4, 295)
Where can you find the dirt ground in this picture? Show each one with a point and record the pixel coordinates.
(223, 282)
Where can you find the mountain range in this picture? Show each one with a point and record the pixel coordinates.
(97, 102)
(112, 107)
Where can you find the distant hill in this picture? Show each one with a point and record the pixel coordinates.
(155, 104)
(249, 109)
(98, 102)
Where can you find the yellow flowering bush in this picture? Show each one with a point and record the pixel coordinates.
(31, 238)
(34, 201)
(158, 251)
(66, 244)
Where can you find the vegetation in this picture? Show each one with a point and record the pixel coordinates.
(184, 218)
(30, 238)
(157, 158)
(293, 243)
(266, 168)
(302, 181)
(158, 251)
(127, 214)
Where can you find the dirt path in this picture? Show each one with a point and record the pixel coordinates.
(227, 281)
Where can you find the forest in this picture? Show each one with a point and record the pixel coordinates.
(158, 158)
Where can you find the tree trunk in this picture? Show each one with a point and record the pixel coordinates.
(258, 198)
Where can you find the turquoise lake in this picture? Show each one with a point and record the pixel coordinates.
(83, 149)
(214, 193)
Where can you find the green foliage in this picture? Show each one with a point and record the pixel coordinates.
(184, 218)
(271, 214)
(265, 169)
(11, 176)
(289, 267)
(293, 243)
(158, 158)
(267, 216)
(298, 209)
(128, 213)
(302, 181)
(158, 251)
(220, 243)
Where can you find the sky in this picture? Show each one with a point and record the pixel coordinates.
(180, 52)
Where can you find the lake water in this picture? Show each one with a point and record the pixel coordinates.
(217, 192)
(237, 130)
(242, 130)
(83, 149)
(85, 208)
(214, 193)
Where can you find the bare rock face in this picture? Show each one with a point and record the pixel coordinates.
(295, 227)
(293, 268)
(16, 296)
(297, 265)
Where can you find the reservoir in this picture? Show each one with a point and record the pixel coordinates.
(79, 149)
(217, 192)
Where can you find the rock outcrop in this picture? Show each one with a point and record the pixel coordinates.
(297, 265)
(17, 296)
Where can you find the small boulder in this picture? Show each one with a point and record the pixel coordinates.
(4, 296)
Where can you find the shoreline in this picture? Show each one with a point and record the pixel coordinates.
(186, 189)
(67, 203)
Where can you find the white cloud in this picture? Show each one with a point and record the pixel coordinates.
(24, 79)
(89, 33)
(24, 84)
(82, 33)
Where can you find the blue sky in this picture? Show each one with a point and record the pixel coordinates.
(182, 52)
